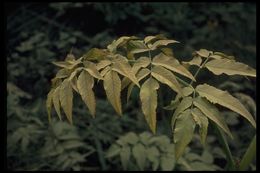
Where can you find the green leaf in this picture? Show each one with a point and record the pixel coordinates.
(132, 138)
(167, 77)
(224, 99)
(202, 121)
(56, 101)
(212, 113)
(230, 67)
(167, 163)
(66, 98)
(248, 156)
(112, 86)
(62, 73)
(183, 132)
(171, 64)
(139, 155)
(167, 51)
(125, 156)
(113, 151)
(148, 96)
(85, 84)
(49, 103)
(121, 66)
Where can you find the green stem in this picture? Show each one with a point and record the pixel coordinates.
(248, 156)
(225, 146)
(182, 81)
(200, 67)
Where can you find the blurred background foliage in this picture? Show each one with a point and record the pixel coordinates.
(39, 33)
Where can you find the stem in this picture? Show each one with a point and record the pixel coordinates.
(182, 81)
(248, 156)
(225, 146)
(200, 67)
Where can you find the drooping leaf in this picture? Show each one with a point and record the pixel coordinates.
(185, 103)
(85, 84)
(229, 67)
(91, 68)
(224, 99)
(112, 86)
(183, 132)
(212, 113)
(202, 121)
(148, 96)
(137, 46)
(125, 156)
(49, 103)
(122, 67)
(139, 154)
(167, 77)
(64, 64)
(66, 98)
(171, 64)
(56, 101)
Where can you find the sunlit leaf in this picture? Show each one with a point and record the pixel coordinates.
(148, 96)
(85, 84)
(112, 86)
(224, 99)
(229, 67)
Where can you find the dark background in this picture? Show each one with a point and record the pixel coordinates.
(39, 33)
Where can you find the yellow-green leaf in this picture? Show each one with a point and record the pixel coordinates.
(91, 68)
(161, 43)
(185, 103)
(141, 62)
(95, 54)
(149, 39)
(103, 64)
(62, 73)
(66, 98)
(64, 64)
(148, 96)
(85, 84)
(104, 71)
(204, 53)
(123, 67)
(224, 55)
(140, 75)
(112, 86)
(171, 64)
(195, 61)
(167, 77)
(119, 42)
(49, 103)
(202, 121)
(230, 67)
(139, 153)
(224, 99)
(56, 101)
(212, 113)
(183, 132)
(167, 51)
